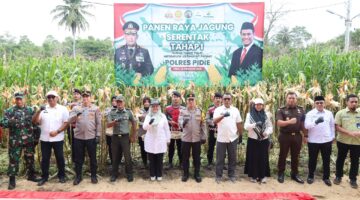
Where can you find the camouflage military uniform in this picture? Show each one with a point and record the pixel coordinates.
(18, 120)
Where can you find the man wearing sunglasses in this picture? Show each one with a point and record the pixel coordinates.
(347, 124)
(321, 132)
(53, 120)
(192, 138)
(21, 137)
(131, 56)
(229, 127)
(86, 135)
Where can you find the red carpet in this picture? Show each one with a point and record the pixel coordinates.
(150, 195)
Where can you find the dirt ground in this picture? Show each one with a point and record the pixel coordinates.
(171, 183)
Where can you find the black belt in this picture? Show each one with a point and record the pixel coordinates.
(291, 133)
(121, 135)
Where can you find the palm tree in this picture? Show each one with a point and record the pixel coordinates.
(72, 16)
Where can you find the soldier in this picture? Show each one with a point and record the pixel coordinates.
(109, 131)
(120, 119)
(172, 113)
(86, 135)
(141, 132)
(131, 56)
(290, 119)
(53, 120)
(21, 137)
(347, 125)
(212, 128)
(192, 138)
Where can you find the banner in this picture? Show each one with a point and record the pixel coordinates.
(203, 44)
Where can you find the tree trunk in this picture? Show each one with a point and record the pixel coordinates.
(74, 40)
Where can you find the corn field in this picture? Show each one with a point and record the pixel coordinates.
(307, 72)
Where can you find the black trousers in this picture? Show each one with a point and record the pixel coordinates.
(156, 164)
(195, 149)
(325, 150)
(79, 155)
(343, 150)
(108, 143)
(143, 152)
(292, 143)
(120, 145)
(211, 147)
(45, 158)
(70, 131)
(172, 149)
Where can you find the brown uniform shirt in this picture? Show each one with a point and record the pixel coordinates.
(286, 113)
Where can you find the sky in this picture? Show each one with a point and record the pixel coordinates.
(33, 18)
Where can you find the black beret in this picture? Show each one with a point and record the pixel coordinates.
(176, 93)
(190, 95)
(76, 91)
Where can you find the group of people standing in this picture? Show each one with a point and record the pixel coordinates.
(183, 127)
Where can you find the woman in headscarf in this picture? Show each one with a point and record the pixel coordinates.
(259, 127)
(157, 138)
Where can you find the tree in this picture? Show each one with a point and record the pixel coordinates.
(273, 15)
(284, 37)
(300, 36)
(51, 47)
(72, 15)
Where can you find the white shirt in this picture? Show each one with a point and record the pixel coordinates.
(247, 48)
(322, 132)
(227, 129)
(156, 137)
(51, 119)
(250, 127)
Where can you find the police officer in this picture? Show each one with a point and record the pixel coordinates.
(86, 135)
(70, 130)
(131, 56)
(172, 113)
(192, 138)
(290, 119)
(120, 141)
(19, 121)
(141, 132)
(212, 128)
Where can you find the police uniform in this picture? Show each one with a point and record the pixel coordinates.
(134, 58)
(120, 140)
(290, 138)
(172, 113)
(86, 134)
(21, 137)
(192, 136)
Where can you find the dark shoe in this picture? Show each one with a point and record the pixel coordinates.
(113, 178)
(170, 166)
(233, 179)
(281, 178)
(33, 178)
(42, 182)
(337, 180)
(198, 179)
(184, 178)
(218, 180)
(77, 180)
(94, 180)
(353, 184)
(62, 180)
(327, 182)
(130, 178)
(12, 183)
(310, 180)
(209, 166)
(297, 179)
(225, 168)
